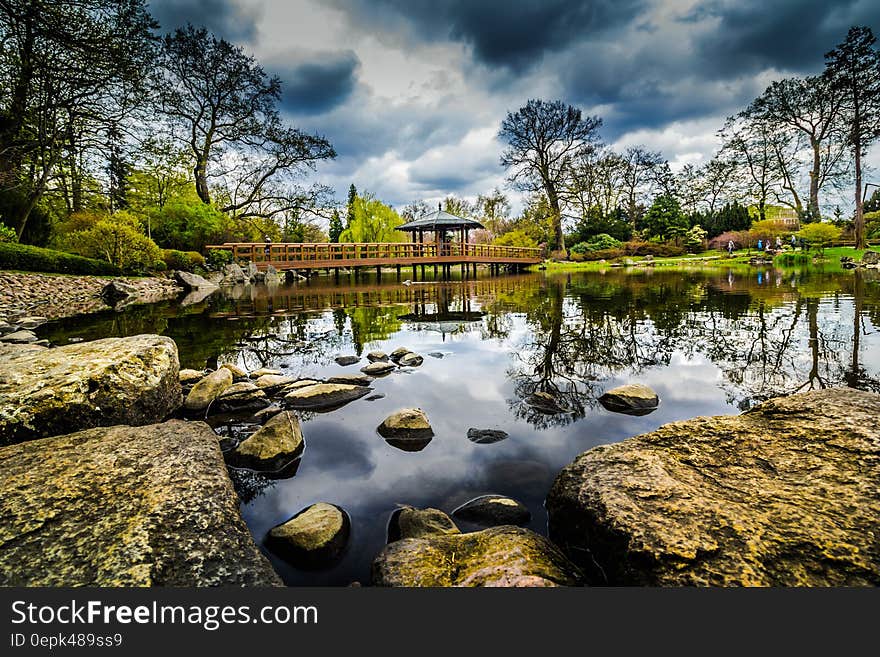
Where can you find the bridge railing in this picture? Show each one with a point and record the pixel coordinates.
(295, 252)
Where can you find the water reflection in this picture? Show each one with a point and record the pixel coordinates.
(707, 342)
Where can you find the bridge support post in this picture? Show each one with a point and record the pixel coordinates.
(398, 272)
(336, 274)
(357, 274)
(378, 273)
(435, 272)
(415, 277)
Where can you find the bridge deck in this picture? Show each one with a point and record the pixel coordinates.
(379, 254)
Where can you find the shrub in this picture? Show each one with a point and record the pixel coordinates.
(740, 238)
(574, 256)
(219, 258)
(35, 258)
(604, 254)
(658, 249)
(7, 234)
(184, 260)
(602, 241)
(819, 234)
(579, 249)
(118, 240)
(695, 239)
(516, 237)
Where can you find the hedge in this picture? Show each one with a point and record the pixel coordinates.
(184, 260)
(24, 257)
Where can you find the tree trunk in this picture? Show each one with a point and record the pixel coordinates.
(815, 172)
(200, 172)
(553, 199)
(859, 222)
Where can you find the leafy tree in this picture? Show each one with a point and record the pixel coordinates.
(336, 226)
(594, 222)
(640, 173)
(186, 224)
(68, 70)
(665, 219)
(695, 239)
(372, 221)
(818, 235)
(493, 210)
(460, 207)
(809, 107)
(853, 71)
(7, 234)
(516, 237)
(226, 105)
(415, 210)
(543, 140)
(768, 230)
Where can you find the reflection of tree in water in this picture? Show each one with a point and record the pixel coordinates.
(249, 485)
(767, 341)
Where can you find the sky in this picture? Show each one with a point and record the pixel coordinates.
(411, 93)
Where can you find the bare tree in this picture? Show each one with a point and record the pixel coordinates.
(639, 177)
(543, 139)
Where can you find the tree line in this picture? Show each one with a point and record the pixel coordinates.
(801, 137)
(99, 113)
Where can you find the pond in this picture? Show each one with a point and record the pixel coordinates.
(709, 342)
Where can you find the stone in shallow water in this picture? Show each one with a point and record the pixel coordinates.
(499, 556)
(190, 376)
(486, 436)
(20, 337)
(273, 381)
(751, 500)
(493, 510)
(125, 506)
(544, 402)
(46, 392)
(399, 353)
(273, 447)
(243, 396)
(346, 360)
(315, 537)
(376, 397)
(264, 371)
(377, 356)
(207, 390)
(352, 379)
(630, 399)
(410, 360)
(237, 373)
(436, 354)
(378, 368)
(409, 522)
(407, 429)
(32, 322)
(324, 396)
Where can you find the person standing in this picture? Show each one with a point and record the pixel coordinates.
(730, 248)
(760, 245)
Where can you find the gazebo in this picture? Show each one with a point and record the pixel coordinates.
(443, 225)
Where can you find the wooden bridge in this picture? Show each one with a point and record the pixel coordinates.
(353, 256)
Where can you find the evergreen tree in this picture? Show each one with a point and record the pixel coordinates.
(336, 227)
(352, 197)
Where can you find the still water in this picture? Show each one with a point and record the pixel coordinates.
(709, 342)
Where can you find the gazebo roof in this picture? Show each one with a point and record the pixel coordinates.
(439, 220)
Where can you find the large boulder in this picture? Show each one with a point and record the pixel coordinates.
(500, 556)
(783, 495)
(315, 537)
(410, 360)
(117, 291)
(207, 390)
(630, 399)
(45, 392)
(124, 506)
(190, 281)
(324, 396)
(272, 447)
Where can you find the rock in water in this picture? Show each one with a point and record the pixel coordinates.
(207, 390)
(324, 396)
(125, 506)
(351, 379)
(493, 510)
(116, 291)
(409, 522)
(631, 399)
(870, 258)
(544, 402)
(190, 281)
(264, 371)
(485, 436)
(407, 429)
(314, 538)
(346, 360)
(20, 337)
(45, 392)
(273, 447)
(378, 368)
(410, 360)
(243, 396)
(274, 381)
(783, 495)
(500, 556)
(399, 353)
(377, 357)
(190, 376)
(238, 374)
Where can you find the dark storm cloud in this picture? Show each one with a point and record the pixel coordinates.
(225, 18)
(790, 35)
(501, 32)
(320, 84)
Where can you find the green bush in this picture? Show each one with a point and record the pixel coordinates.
(219, 258)
(7, 234)
(118, 239)
(657, 249)
(604, 254)
(602, 241)
(517, 237)
(183, 260)
(34, 258)
(579, 249)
